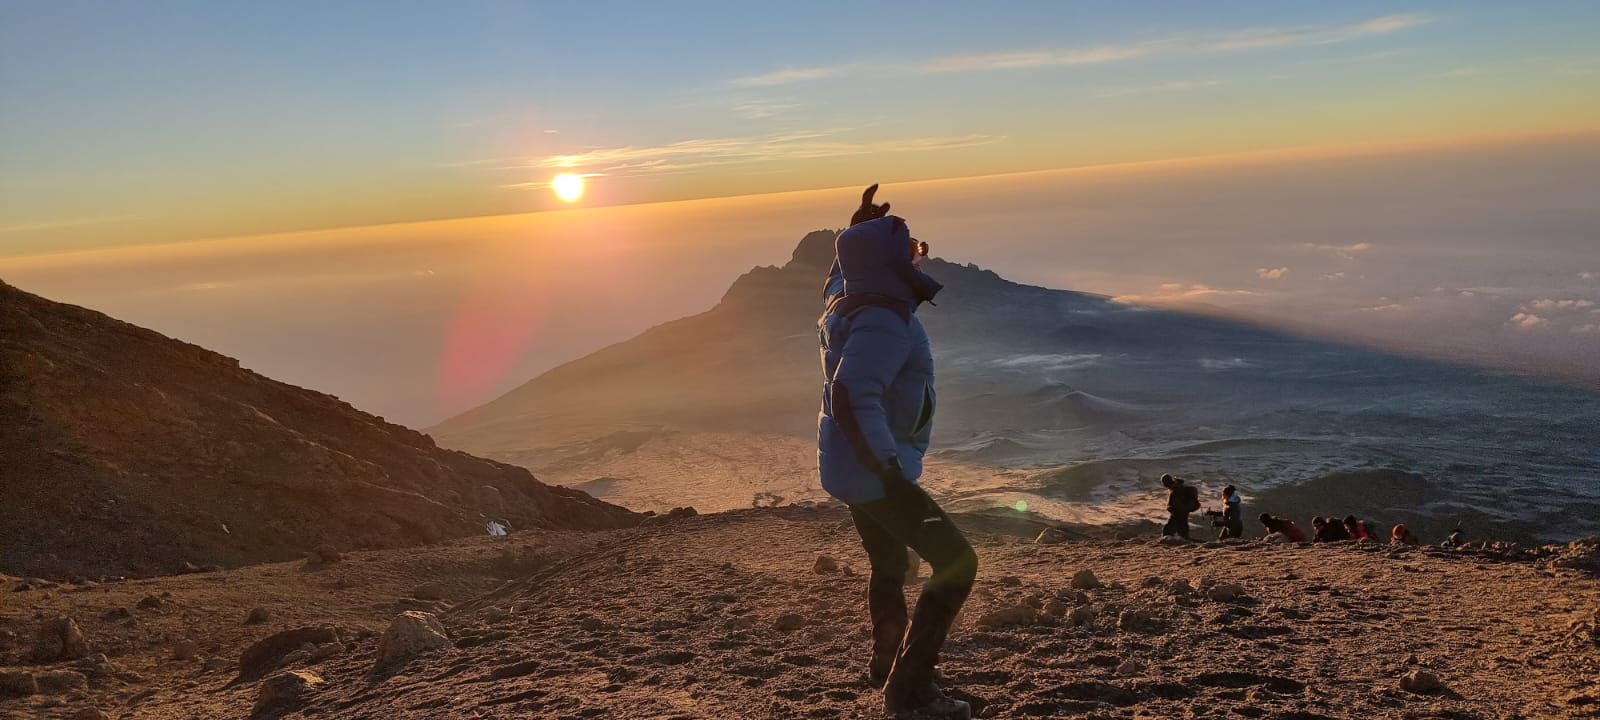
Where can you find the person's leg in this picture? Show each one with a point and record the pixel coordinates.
(912, 517)
(1171, 528)
(1182, 520)
(886, 600)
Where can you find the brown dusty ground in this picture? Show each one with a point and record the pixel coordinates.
(682, 618)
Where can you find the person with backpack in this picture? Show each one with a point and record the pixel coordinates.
(872, 433)
(1182, 499)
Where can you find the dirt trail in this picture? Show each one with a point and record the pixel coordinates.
(722, 616)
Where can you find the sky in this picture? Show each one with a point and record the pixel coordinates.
(159, 121)
(356, 197)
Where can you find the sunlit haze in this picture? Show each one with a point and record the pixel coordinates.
(418, 206)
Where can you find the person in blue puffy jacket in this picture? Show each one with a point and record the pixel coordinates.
(876, 420)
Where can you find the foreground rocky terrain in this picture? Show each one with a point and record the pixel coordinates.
(125, 452)
(758, 614)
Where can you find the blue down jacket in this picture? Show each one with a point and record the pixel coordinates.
(877, 393)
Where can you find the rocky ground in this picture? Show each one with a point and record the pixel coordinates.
(734, 616)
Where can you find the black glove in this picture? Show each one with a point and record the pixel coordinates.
(868, 211)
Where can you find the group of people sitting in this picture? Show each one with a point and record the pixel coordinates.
(1183, 499)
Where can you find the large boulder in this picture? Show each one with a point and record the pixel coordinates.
(411, 633)
(268, 653)
(286, 690)
(59, 638)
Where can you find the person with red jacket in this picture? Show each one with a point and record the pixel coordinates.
(1356, 528)
(1284, 526)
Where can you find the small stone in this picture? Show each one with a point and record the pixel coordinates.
(1009, 581)
(825, 565)
(218, 664)
(1009, 616)
(495, 614)
(257, 615)
(410, 633)
(592, 624)
(1082, 615)
(17, 683)
(325, 555)
(788, 621)
(1055, 608)
(1051, 536)
(57, 682)
(96, 665)
(90, 713)
(1420, 681)
(1136, 619)
(1129, 668)
(1085, 580)
(59, 638)
(1225, 592)
(286, 690)
(1180, 587)
(269, 652)
(185, 650)
(430, 591)
(116, 614)
(150, 602)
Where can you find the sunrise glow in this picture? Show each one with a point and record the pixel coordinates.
(568, 187)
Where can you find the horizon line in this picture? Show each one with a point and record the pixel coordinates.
(1245, 157)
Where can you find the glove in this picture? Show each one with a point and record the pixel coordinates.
(893, 476)
(869, 211)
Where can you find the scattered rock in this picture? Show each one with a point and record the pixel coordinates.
(59, 639)
(1009, 581)
(1420, 681)
(286, 690)
(90, 713)
(324, 555)
(825, 565)
(1009, 616)
(1137, 619)
(1085, 580)
(1082, 615)
(1181, 587)
(496, 614)
(257, 616)
(788, 621)
(96, 665)
(591, 623)
(116, 614)
(57, 682)
(1055, 608)
(17, 683)
(151, 602)
(410, 634)
(218, 664)
(1225, 592)
(430, 591)
(185, 650)
(1129, 668)
(268, 653)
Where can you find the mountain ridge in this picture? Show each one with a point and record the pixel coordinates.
(128, 452)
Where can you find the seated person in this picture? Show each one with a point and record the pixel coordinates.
(1328, 530)
(1356, 528)
(1402, 535)
(1285, 526)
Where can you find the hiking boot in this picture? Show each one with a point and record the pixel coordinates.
(927, 703)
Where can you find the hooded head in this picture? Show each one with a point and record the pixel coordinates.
(1166, 480)
(874, 258)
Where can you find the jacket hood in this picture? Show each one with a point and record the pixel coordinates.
(874, 258)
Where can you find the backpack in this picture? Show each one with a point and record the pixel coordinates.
(1191, 498)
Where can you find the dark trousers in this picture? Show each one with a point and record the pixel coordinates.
(1231, 529)
(1177, 524)
(903, 652)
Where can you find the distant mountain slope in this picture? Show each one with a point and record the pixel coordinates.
(1071, 402)
(126, 452)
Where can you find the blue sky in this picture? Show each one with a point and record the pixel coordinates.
(156, 121)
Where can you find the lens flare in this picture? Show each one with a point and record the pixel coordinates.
(1020, 506)
(568, 187)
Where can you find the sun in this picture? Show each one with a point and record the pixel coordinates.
(568, 187)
